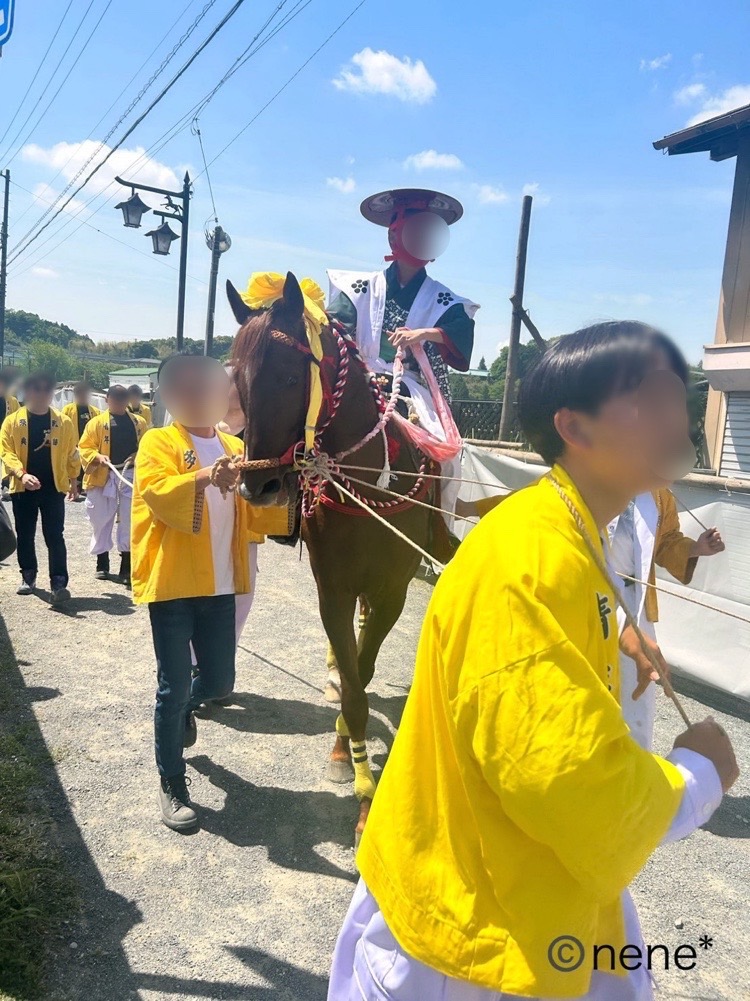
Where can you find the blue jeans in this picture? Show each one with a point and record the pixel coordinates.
(209, 624)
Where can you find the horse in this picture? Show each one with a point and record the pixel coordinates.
(352, 555)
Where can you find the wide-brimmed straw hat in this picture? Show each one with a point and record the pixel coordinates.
(380, 208)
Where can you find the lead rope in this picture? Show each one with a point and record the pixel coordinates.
(629, 617)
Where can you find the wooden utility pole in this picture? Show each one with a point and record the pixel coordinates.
(511, 372)
(4, 265)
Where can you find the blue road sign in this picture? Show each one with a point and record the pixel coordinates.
(6, 19)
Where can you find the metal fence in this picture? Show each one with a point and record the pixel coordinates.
(477, 418)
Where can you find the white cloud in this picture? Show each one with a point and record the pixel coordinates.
(490, 195)
(45, 272)
(539, 197)
(46, 195)
(619, 299)
(689, 94)
(656, 64)
(343, 184)
(68, 158)
(430, 159)
(720, 104)
(371, 72)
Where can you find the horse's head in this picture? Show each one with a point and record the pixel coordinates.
(271, 364)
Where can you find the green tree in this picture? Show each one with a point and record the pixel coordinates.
(50, 358)
(482, 367)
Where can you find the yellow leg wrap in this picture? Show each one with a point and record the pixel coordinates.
(341, 728)
(364, 782)
(331, 658)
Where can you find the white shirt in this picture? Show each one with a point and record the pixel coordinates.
(220, 516)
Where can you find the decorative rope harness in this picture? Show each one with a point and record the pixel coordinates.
(316, 468)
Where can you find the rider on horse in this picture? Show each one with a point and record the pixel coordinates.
(402, 305)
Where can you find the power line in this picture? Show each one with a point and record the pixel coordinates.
(102, 144)
(48, 83)
(227, 17)
(85, 222)
(171, 133)
(130, 81)
(284, 87)
(42, 61)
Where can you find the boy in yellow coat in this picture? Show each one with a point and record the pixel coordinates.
(111, 440)
(515, 807)
(39, 449)
(137, 406)
(81, 411)
(189, 538)
(8, 405)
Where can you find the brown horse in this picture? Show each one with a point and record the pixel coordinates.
(351, 553)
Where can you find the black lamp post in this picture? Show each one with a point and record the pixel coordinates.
(218, 242)
(179, 204)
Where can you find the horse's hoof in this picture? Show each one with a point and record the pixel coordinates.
(332, 692)
(340, 772)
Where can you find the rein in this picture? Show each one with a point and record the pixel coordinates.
(315, 467)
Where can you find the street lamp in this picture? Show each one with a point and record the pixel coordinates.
(218, 242)
(178, 202)
(163, 238)
(132, 210)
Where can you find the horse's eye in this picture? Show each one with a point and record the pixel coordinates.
(292, 380)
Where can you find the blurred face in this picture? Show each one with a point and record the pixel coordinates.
(117, 403)
(195, 390)
(39, 396)
(639, 440)
(135, 400)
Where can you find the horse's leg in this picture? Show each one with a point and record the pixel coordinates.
(332, 691)
(337, 614)
(381, 618)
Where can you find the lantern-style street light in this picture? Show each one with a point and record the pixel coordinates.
(218, 242)
(178, 205)
(132, 210)
(163, 238)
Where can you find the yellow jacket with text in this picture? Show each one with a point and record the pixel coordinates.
(14, 449)
(671, 549)
(11, 405)
(71, 410)
(170, 534)
(515, 807)
(144, 411)
(95, 440)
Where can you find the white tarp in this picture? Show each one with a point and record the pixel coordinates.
(699, 642)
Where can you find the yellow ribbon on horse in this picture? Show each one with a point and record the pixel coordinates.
(263, 290)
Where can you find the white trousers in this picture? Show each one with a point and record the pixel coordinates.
(106, 506)
(370, 965)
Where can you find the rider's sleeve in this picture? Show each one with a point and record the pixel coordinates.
(458, 337)
(342, 309)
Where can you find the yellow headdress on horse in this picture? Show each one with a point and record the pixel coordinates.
(263, 290)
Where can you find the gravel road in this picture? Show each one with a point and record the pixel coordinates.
(249, 906)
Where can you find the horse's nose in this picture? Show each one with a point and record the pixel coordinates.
(244, 492)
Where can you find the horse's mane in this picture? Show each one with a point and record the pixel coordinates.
(252, 339)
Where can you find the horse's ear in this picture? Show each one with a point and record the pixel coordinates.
(293, 298)
(241, 310)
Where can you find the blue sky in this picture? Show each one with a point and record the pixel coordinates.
(483, 100)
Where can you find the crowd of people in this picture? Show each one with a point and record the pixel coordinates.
(522, 794)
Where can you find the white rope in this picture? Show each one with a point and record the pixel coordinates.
(684, 597)
(411, 500)
(119, 475)
(431, 476)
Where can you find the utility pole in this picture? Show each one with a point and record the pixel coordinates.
(511, 371)
(4, 264)
(184, 217)
(218, 242)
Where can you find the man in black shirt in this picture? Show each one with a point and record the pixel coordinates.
(110, 440)
(39, 449)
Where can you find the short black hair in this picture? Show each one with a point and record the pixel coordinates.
(5, 378)
(135, 389)
(39, 380)
(583, 370)
(117, 390)
(82, 387)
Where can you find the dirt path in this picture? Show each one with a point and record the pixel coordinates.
(249, 906)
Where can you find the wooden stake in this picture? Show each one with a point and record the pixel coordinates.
(511, 372)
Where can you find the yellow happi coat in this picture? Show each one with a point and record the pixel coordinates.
(144, 412)
(515, 807)
(170, 534)
(71, 410)
(96, 440)
(14, 449)
(11, 405)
